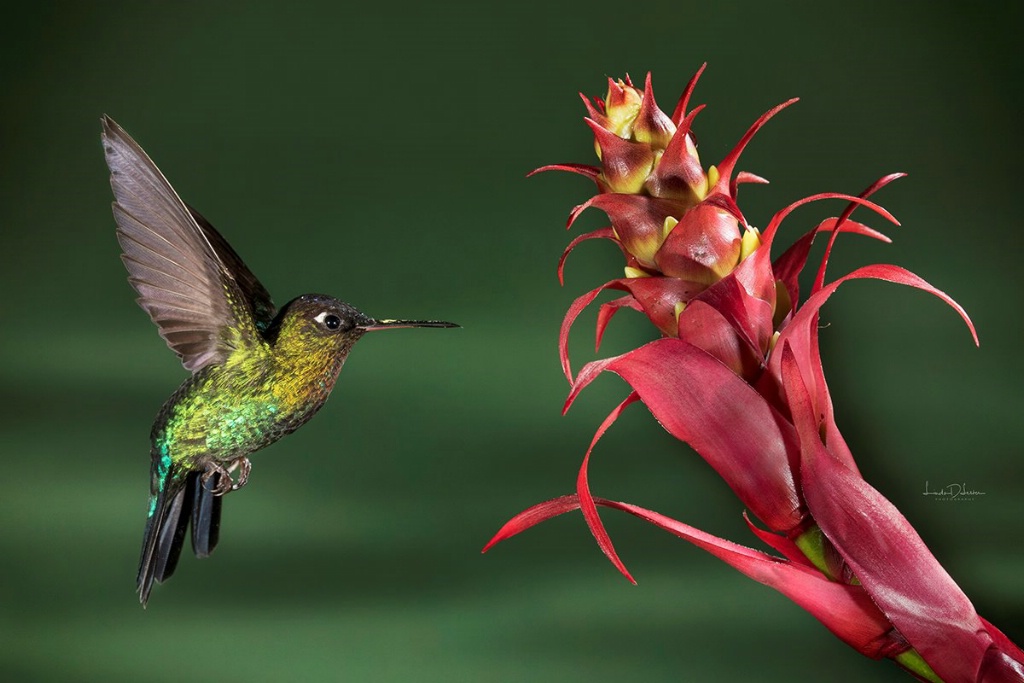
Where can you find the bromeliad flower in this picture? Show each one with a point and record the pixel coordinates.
(738, 376)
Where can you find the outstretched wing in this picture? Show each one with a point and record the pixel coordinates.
(196, 289)
(257, 298)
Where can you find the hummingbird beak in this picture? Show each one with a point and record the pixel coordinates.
(375, 325)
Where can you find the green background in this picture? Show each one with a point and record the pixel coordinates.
(377, 152)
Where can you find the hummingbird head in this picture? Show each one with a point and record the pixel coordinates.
(315, 322)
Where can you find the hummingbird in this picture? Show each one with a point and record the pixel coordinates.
(257, 372)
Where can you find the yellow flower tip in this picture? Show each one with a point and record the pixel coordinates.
(679, 309)
(668, 226)
(750, 242)
(712, 176)
(622, 105)
(635, 272)
(782, 304)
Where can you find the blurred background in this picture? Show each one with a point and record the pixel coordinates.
(378, 152)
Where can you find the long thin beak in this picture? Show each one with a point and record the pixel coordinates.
(375, 325)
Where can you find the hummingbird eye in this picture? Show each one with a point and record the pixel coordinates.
(334, 322)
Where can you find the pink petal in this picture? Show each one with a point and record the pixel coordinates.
(686, 125)
(657, 296)
(791, 263)
(748, 316)
(756, 275)
(607, 310)
(652, 125)
(727, 204)
(705, 327)
(797, 253)
(1002, 642)
(871, 189)
(617, 93)
(699, 400)
(745, 177)
(625, 163)
(846, 225)
(783, 545)
(803, 327)
(678, 174)
(680, 111)
(574, 311)
(703, 247)
(591, 172)
(728, 165)
(637, 220)
(769, 232)
(999, 667)
(586, 500)
(603, 233)
(884, 551)
(845, 610)
(787, 269)
(801, 333)
(1004, 661)
(533, 516)
(595, 113)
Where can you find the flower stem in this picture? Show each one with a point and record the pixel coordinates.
(812, 545)
(912, 661)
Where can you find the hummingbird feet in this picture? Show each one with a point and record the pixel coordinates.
(223, 482)
(244, 467)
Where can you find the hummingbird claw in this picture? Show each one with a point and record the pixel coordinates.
(222, 482)
(244, 467)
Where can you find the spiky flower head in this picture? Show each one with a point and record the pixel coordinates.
(738, 376)
(677, 224)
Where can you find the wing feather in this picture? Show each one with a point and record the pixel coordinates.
(202, 297)
(257, 297)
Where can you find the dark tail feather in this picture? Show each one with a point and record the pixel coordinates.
(172, 533)
(165, 532)
(206, 516)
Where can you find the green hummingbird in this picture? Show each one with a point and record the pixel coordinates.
(258, 373)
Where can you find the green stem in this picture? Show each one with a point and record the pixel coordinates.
(913, 662)
(812, 545)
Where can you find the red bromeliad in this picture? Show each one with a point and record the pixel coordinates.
(737, 375)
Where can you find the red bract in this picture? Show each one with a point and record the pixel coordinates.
(737, 375)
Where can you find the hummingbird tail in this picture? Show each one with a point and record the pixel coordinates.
(165, 530)
(168, 520)
(206, 515)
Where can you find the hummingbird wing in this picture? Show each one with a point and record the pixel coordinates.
(204, 300)
(256, 296)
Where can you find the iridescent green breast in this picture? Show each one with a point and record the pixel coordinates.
(220, 414)
(224, 412)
